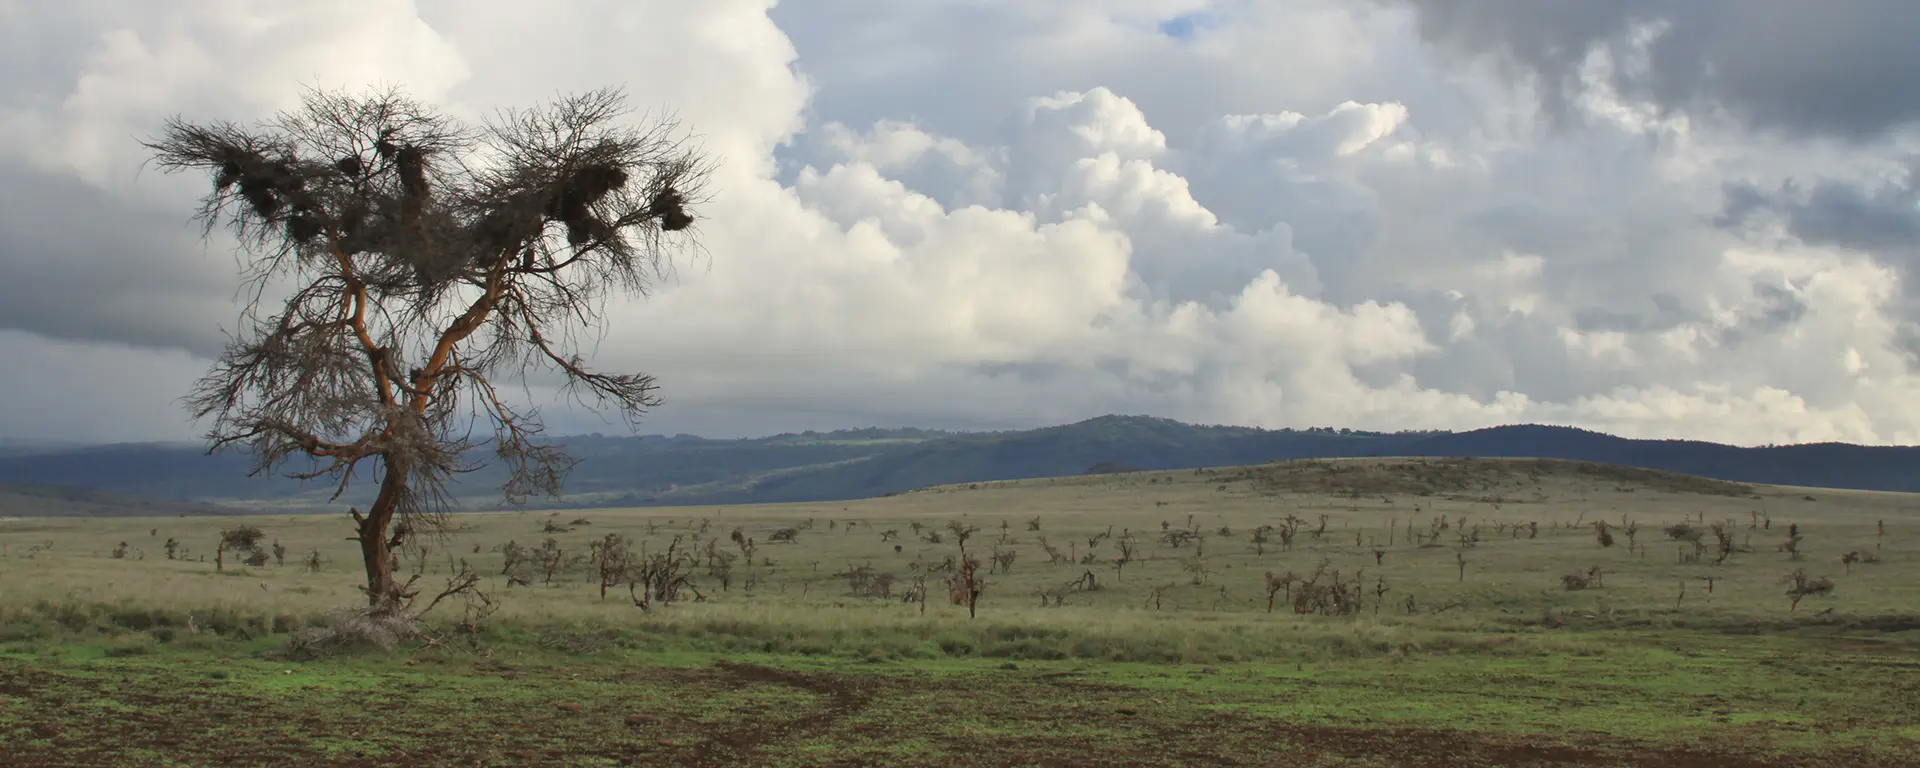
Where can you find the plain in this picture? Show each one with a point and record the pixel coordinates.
(1328, 612)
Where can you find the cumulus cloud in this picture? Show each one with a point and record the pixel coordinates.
(1000, 214)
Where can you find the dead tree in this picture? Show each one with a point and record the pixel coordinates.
(402, 264)
(1277, 584)
(1122, 557)
(966, 585)
(661, 577)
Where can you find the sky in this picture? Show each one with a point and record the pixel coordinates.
(1656, 218)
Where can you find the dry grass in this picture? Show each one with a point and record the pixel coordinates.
(1461, 559)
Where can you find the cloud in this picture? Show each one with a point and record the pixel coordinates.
(59, 389)
(1000, 214)
(1837, 70)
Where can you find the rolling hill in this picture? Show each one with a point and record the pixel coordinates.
(685, 470)
(65, 501)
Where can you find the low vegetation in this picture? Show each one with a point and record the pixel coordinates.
(1216, 616)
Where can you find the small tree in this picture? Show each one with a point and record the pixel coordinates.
(1122, 557)
(244, 540)
(612, 557)
(966, 585)
(1799, 586)
(421, 261)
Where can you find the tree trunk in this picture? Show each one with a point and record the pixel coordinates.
(383, 592)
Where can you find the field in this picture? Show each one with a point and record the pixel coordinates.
(1365, 612)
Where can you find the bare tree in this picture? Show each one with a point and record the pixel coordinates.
(422, 261)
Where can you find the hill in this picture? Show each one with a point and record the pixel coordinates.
(65, 501)
(657, 470)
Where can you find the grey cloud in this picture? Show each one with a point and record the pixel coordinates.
(1668, 312)
(80, 263)
(1906, 339)
(1834, 212)
(1773, 309)
(1882, 220)
(1841, 68)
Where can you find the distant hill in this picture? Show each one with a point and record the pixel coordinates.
(685, 470)
(63, 501)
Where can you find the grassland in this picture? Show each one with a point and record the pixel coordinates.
(1466, 646)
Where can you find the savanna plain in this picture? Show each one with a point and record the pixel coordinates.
(1368, 612)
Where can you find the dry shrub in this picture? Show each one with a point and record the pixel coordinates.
(661, 577)
(1684, 532)
(1799, 586)
(864, 581)
(1336, 598)
(353, 629)
(243, 540)
(1277, 584)
(1792, 546)
(1859, 556)
(611, 557)
(1057, 596)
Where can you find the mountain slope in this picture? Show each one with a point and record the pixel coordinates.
(685, 470)
(1819, 465)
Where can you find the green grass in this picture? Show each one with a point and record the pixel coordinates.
(528, 707)
(149, 661)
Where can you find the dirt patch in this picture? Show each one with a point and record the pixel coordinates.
(736, 744)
